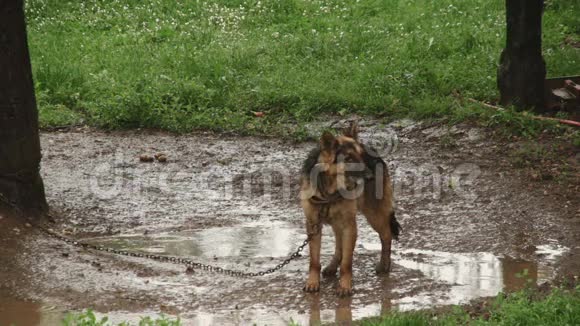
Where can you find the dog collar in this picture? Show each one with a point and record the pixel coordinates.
(329, 199)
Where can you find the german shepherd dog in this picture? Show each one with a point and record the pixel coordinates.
(339, 178)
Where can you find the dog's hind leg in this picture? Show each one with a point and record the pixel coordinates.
(331, 269)
(380, 220)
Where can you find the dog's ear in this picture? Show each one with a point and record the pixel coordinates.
(352, 130)
(327, 141)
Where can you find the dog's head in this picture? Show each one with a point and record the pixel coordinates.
(337, 164)
(341, 154)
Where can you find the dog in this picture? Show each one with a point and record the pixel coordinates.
(339, 178)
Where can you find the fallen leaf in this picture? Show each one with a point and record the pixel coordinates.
(259, 114)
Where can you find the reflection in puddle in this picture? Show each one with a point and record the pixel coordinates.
(345, 311)
(467, 276)
(254, 239)
(471, 275)
(550, 251)
(23, 313)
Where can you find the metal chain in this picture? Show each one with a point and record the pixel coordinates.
(178, 260)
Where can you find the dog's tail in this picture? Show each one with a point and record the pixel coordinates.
(395, 226)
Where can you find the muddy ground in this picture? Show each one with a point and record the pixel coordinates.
(472, 225)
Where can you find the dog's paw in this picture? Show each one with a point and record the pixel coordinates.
(344, 291)
(312, 287)
(329, 271)
(344, 287)
(383, 268)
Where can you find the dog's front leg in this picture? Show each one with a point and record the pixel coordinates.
(331, 269)
(313, 282)
(348, 237)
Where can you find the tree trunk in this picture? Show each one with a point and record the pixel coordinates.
(522, 69)
(20, 181)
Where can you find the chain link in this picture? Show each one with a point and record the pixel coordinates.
(178, 260)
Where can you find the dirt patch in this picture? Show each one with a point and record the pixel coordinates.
(570, 41)
(471, 223)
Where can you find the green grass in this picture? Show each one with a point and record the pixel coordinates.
(88, 318)
(560, 307)
(184, 65)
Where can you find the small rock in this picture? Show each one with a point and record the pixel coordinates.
(454, 130)
(146, 158)
(474, 135)
(435, 132)
(65, 254)
(403, 123)
(162, 158)
(28, 225)
(224, 161)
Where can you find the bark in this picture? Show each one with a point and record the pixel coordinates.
(20, 181)
(522, 69)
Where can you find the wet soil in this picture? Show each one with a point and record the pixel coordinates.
(473, 225)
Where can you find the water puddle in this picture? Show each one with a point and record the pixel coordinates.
(24, 313)
(253, 239)
(471, 275)
(465, 276)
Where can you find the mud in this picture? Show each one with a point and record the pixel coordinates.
(473, 226)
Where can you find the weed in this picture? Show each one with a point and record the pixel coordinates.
(88, 318)
(531, 155)
(447, 141)
(525, 307)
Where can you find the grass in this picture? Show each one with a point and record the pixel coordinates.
(184, 65)
(559, 307)
(88, 318)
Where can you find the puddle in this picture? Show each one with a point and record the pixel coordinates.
(471, 275)
(23, 313)
(467, 275)
(254, 239)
